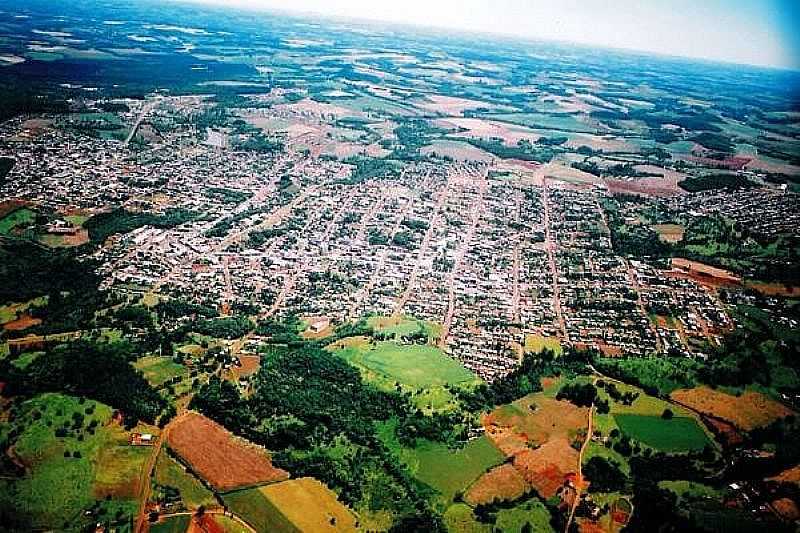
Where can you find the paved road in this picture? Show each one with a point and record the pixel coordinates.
(145, 110)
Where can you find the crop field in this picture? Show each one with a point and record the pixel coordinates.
(679, 434)
(502, 483)
(748, 411)
(457, 150)
(158, 370)
(171, 474)
(302, 504)
(414, 365)
(224, 461)
(554, 121)
(537, 432)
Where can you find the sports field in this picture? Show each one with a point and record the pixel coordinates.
(158, 370)
(415, 365)
(679, 434)
(302, 504)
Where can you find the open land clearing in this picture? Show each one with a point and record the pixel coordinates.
(671, 233)
(748, 411)
(291, 506)
(224, 461)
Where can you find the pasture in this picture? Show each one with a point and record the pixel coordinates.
(68, 472)
(679, 434)
(173, 524)
(170, 473)
(439, 467)
(302, 504)
(226, 462)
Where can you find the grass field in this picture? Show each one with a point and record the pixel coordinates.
(19, 217)
(302, 504)
(539, 343)
(443, 469)
(57, 488)
(404, 326)
(415, 365)
(158, 370)
(679, 434)
(174, 524)
(171, 474)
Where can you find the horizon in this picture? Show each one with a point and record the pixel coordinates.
(649, 29)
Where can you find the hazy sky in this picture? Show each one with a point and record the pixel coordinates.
(759, 32)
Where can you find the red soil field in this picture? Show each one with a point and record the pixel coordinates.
(226, 462)
(748, 411)
(23, 322)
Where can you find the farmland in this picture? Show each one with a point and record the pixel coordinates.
(224, 461)
(302, 504)
(747, 411)
(331, 275)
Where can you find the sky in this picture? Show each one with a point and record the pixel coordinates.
(755, 32)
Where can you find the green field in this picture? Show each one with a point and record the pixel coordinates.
(680, 434)
(57, 489)
(169, 473)
(459, 518)
(438, 466)
(175, 524)
(414, 365)
(19, 217)
(158, 370)
(404, 326)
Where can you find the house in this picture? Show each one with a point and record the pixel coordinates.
(141, 439)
